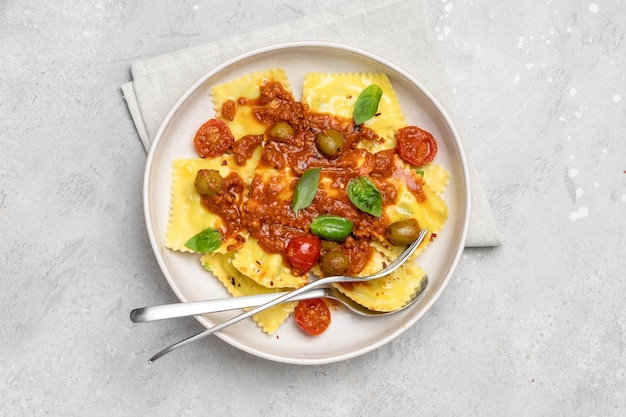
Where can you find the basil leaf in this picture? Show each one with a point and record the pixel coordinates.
(306, 189)
(330, 227)
(364, 194)
(366, 105)
(420, 172)
(207, 240)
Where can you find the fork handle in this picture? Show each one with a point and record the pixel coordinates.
(194, 308)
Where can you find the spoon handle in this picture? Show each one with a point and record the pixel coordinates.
(194, 308)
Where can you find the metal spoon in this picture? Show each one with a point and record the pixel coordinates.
(290, 295)
(194, 308)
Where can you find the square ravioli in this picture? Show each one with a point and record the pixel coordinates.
(239, 285)
(243, 121)
(336, 93)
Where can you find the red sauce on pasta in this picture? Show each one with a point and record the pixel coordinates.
(271, 220)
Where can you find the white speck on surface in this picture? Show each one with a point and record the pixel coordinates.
(593, 8)
(572, 172)
(568, 30)
(579, 193)
(196, 7)
(596, 185)
(581, 213)
(617, 98)
(439, 35)
(573, 91)
(520, 43)
(86, 33)
(578, 114)
(572, 157)
(516, 79)
(448, 7)
(623, 198)
(530, 66)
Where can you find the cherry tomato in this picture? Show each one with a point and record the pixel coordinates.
(302, 252)
(313, 316)
(213, 138)
(416, 146)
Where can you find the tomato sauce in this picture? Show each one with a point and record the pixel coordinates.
(269, 218)
(229, 108)
(228, 204)
(244, 148)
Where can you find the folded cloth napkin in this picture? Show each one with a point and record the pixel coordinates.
(397, 30)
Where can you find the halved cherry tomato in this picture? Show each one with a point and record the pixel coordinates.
(313, 316)
(416, 146)
(302, 252)
(213, 138)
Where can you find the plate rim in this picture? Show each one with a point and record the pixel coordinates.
(298, 45)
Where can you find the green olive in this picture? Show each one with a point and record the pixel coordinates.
(208, 181)
(329, 142)
(329, 245)
(281, 131)
(403, 232)
(334, 263)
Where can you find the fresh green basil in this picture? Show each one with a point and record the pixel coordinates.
(330, 227)
(364, 194)
(207, 240)
(306, 189)
(366, 104)
(420, 172)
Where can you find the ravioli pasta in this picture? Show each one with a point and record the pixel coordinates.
(187, 216)
(337, 93)
(246, 86)
(266, 269)
(247, 261)
(238, 284)
(387, 293)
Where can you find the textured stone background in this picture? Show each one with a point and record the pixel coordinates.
(536, 327)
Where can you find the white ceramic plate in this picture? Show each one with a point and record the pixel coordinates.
(348, 336)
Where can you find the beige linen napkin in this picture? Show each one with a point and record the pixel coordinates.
(397, 30)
